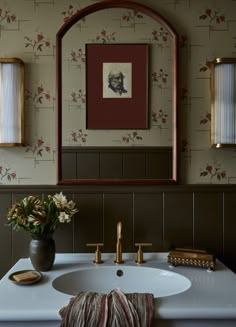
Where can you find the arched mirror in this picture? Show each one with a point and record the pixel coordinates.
(117, 70)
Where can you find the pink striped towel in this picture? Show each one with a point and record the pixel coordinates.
(116, 309)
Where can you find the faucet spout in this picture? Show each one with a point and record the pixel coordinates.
(119, 244)
(119, 231)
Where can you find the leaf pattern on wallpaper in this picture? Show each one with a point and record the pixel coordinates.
(160, 78)
(6, 17)
(38, 148)
(131, 17)
(213, 171)
(78, 136)
(131, 137)
(5, 173)
(38, 43)
(204, 67)
(78, 96)
(106, 37)
(38, 96)
(68, 12)
(204, 119)
(159, 118)
(212, 16)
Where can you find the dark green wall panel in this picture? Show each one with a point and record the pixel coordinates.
(5, 234)
(229, 252)
(208, 221)
(88, 223)
(178, 220)
(148, 220)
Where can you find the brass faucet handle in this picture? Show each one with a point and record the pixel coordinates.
(98, 254)
(140, 251)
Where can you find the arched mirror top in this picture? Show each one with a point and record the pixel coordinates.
(144, 152)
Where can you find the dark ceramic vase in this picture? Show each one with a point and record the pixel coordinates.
(42, 252)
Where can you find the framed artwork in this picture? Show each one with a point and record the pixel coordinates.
(117, 86)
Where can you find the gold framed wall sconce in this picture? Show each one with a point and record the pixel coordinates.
(11, 102)
(223, 102)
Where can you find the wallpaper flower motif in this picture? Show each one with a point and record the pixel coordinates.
(204, 67)
(5, 173)
(68, 12)
(78, 136)
(38, 95)
(106, 37)
(161, 35)
(160, 78)
(131, 137)
(38, 43)
(205, 119)
(131, 16)
(214, 172)
(212, 16)
(38, 148)
(6, 16)
(159, 118)
(78, 96)
(78, 56)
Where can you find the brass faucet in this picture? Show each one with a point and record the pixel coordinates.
(118, 243)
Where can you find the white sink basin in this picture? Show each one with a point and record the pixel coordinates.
(129, 279)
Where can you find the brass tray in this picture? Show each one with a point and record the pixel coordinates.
(191, 257)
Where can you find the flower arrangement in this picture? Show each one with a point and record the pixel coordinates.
(41, 217)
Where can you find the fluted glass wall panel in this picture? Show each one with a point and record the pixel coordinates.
(225, 104)
(11, 103)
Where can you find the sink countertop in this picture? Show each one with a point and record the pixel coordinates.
(212, 295)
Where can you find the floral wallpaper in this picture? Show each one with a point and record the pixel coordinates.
(207, 29)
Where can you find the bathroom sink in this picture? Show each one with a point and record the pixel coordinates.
(129, 279)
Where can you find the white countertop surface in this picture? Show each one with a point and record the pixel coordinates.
(212, 295)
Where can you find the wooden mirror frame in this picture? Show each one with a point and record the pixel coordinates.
(108, 4)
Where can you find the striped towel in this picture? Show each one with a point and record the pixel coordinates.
(116, 309)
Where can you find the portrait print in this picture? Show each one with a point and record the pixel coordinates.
(117, 80)
(117, 86)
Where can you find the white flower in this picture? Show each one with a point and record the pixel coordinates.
(36, 223)
(64, 218)
(70, 205)
(31, 218)
(60, 200)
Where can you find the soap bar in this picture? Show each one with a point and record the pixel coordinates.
(26, 276)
